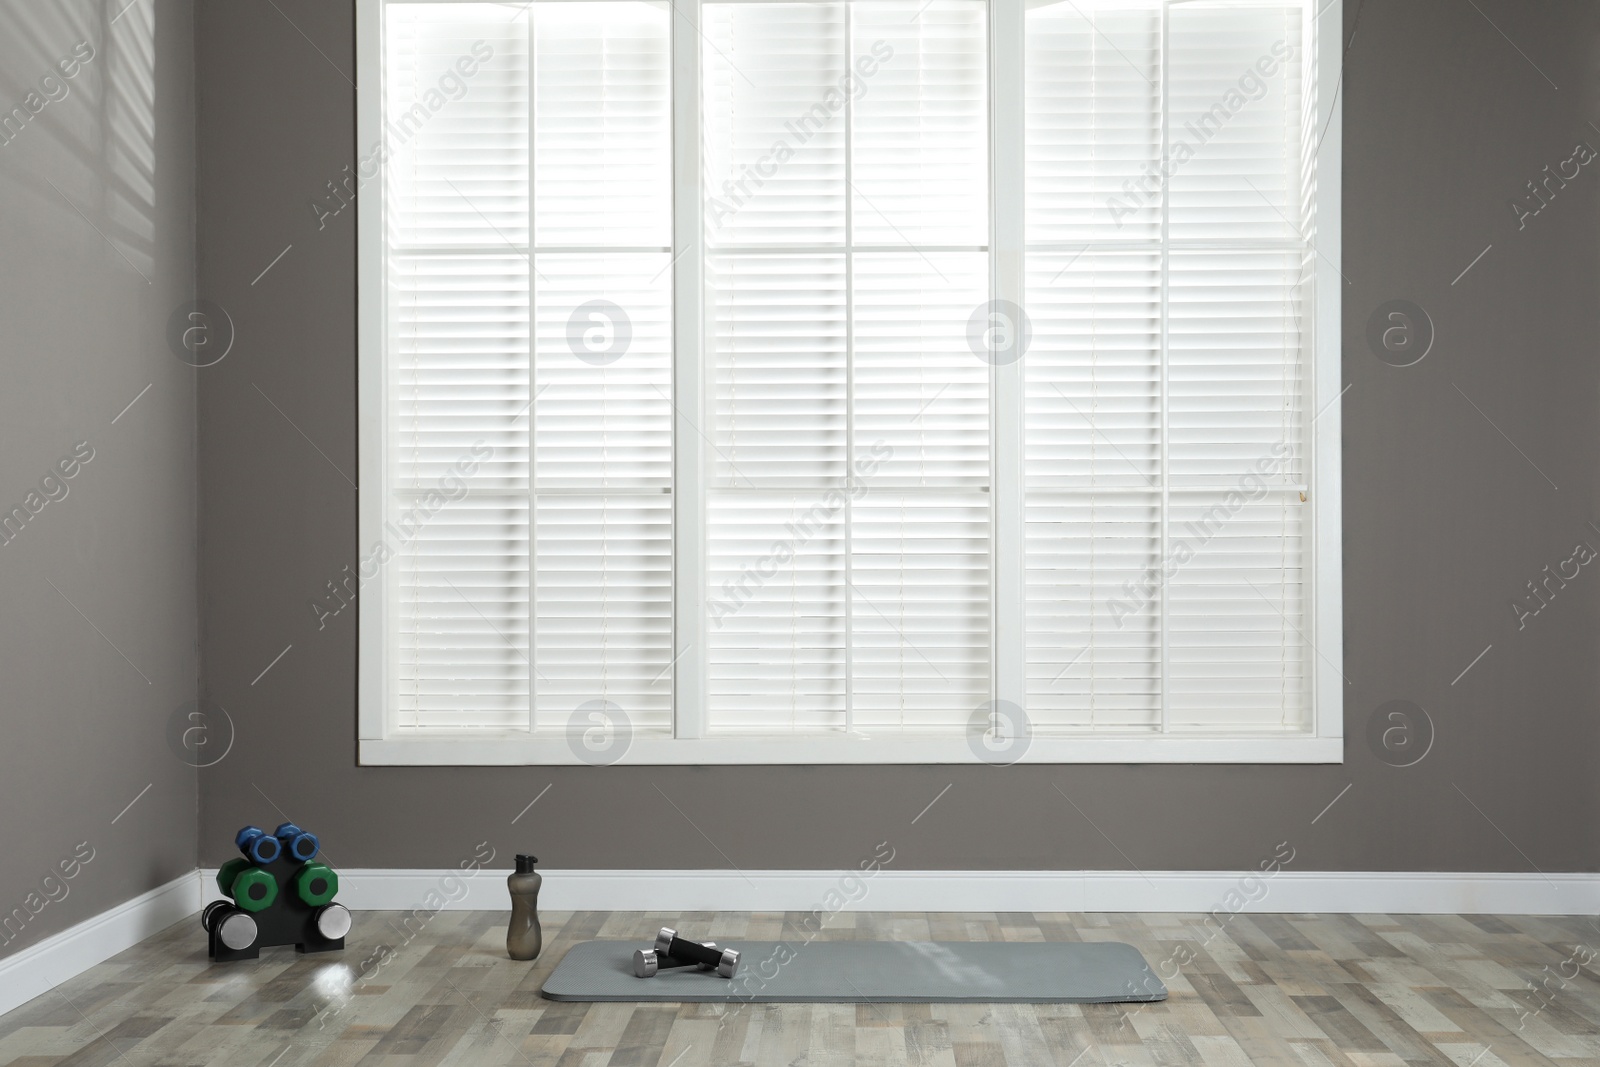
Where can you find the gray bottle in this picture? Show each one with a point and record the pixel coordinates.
(524, 938)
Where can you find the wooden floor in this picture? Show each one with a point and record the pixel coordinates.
(1311, 990)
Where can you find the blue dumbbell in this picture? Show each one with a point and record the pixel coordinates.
(259, 846)
(298, 843)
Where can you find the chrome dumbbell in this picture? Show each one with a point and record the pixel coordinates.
(233, 926)
(333, 921)
(647, 961)
(724, 961)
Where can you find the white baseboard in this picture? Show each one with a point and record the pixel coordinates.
(39, 968)
(1395, 892)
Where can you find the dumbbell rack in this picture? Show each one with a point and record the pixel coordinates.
(287, 917)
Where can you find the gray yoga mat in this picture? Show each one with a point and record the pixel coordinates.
(915, 972)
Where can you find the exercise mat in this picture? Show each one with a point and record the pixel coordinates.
(903, 972)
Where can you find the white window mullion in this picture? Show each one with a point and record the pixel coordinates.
(690, 425)
(1162, 614)
(849, 388)
(1006, 235)
(533, 382)
(376, 702)
(1321, 436)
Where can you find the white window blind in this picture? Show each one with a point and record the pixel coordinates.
(577, 496)
(847, 398)
(1141, 442)
(1166, 163)
(456, 269)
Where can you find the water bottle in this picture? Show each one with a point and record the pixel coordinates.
(524, 938)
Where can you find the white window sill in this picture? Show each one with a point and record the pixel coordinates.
(518, 748)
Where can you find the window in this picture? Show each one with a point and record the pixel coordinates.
(858, 381)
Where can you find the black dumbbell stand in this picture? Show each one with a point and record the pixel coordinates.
(287, 921)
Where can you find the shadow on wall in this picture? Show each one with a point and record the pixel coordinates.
(83, 121)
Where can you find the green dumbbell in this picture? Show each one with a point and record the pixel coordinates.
(316, 884)
(229, 871)
(254, 890)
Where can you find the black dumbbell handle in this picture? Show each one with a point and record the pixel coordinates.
(693, 951)
(668, 962)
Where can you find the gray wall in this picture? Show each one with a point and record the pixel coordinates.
(1445, 519)
(98, 636)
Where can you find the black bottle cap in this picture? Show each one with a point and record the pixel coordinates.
(525, 863)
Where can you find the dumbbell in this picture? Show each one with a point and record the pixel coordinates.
(668, 943)
(254, 889)
(296, 842)
(333, 921)
(662, 949)
(647, 961)
(229, 871)
(260, 846)
(316, 884)
(209, 910)
(233, 927)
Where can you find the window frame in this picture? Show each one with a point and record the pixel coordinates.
(381, 743)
